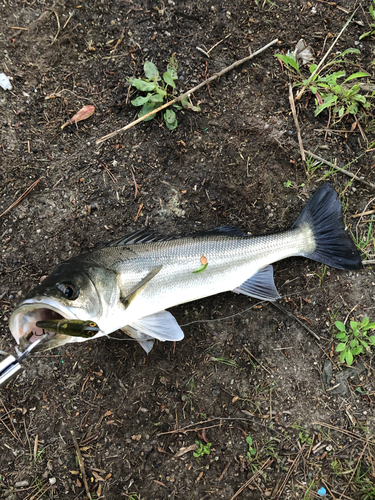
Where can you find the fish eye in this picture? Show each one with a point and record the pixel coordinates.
(68, 290)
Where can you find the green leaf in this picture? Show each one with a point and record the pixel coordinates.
(365, 34)
(350, 51)
(371, 326)
(167, 77)
(313, 89)
(342, 356)
(360, 74)
(371, 340)
(361, 99)
(249, 440)
(365, 322)
(357, 350)
(186, 103)
(161, 91)
(151, 71)
(354, 343)
(326, 104)
(341, 111)
(365, 345)
(353, 325)
(200, 268)
(139, 101)
(172, 67)
(289, 61)
(342, 336)
(312, 67)
(142, 85)
(156, 98)
(146, 108)
(349, 357)
(340, 326)
(170, 119)
(340, 347)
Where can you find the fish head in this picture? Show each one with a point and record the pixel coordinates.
(72, 291)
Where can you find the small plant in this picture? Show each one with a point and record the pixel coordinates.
(290, 61)
(204, 449)
(321, 276)
(252, 451)
(354, 340)
(159, 89)
(303, 434)
(341, 98)
(372, 25)
(224, 361)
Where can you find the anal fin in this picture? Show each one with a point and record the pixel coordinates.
(260, 286)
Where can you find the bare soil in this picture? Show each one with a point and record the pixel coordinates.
(243, 369)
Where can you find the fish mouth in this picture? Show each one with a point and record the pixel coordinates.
(23, 321)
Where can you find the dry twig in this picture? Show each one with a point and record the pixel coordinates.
(186, 94)
(293, 108)
(285, 311)
(81, 464)
(291, 469)
(21, 197)
(253, 477)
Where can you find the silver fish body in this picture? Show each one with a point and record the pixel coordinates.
(129, 283)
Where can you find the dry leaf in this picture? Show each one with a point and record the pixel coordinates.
(82, 114)
(182, 451)
(136, 437)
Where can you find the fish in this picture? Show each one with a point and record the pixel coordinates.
(129, 284)
(71, 327)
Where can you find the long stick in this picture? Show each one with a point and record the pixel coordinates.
(294, 112)
(186, 94)
(81, 464)
(342, 170)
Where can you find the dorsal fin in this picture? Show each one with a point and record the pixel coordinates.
(228, 230)
(142, 236)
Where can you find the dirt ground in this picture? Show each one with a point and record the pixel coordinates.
(247, 382)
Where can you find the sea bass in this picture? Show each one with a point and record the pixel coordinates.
(127, 284)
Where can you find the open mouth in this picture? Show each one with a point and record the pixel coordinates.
(23, 321)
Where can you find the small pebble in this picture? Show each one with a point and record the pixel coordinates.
(22, 484)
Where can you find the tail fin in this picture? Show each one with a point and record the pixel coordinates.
(333, 245)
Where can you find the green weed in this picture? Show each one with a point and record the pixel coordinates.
(321, 276)
(303, 434)
(252, 451)
(159, 89)
(342, 99)
(372, 25)
(204, 449)
(290, 61)
(225, 361)
(354, 340)
(330, 91)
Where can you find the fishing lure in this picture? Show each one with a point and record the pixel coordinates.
(70, 327)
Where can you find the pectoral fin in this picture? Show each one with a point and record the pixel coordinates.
(162, 326)
(140, 286)
(260, 285)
